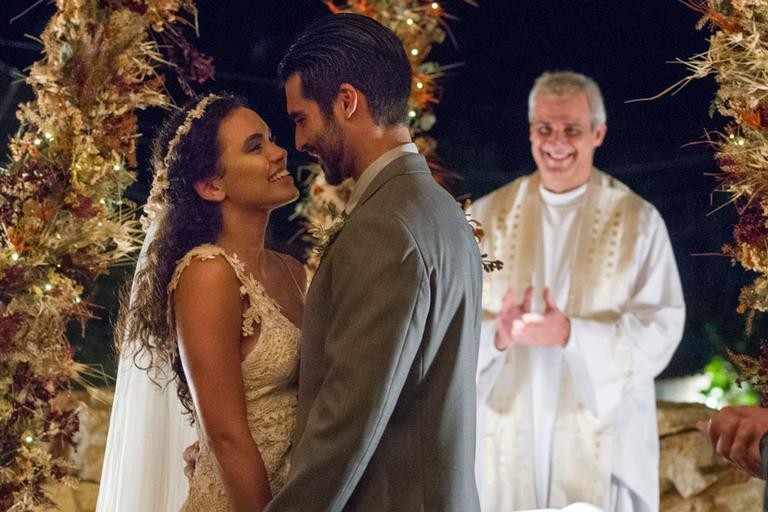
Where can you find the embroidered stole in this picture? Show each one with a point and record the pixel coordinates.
(600, 285)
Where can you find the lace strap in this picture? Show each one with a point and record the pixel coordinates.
(201, 252)
(251, 313)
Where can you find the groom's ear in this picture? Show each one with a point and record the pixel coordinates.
(210, 190)
(348, 100)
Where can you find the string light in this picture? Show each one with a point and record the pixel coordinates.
(409, 21)
(412, 114)
(48, 136)
(415, 52)
(102, 201)
(29, 439)
(14, 257)
(419, 85)
(118, 167)
(37, 141)
(78, 300)
(435, 5)
(48, 287)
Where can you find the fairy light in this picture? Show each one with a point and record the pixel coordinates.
(412, 114)
(78, 300)
(740, 141)
(15, 257)
(415, 52)
(48, 287)
(118, 167)
(29, 439)
(99, 224)
(731, 136)
(48, 136)
(435, 6)
(419, 85)
(37, 141)
(409, 21)
(102, 201)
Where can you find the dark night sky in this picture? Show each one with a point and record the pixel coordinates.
(482, 125)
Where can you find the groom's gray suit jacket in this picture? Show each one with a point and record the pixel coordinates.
(386, 418)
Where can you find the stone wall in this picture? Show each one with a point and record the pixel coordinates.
(692, 478)
(89, 456)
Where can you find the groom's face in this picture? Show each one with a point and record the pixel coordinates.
(316, 134)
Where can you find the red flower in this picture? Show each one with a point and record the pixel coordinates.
(84, 208)
(192, 67)
(751, 229)
(9, 326)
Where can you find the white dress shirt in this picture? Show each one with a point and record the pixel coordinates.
(373, 170)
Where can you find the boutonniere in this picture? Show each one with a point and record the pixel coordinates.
(326, 233)
(489, 265)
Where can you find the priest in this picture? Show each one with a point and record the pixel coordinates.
(587, 310)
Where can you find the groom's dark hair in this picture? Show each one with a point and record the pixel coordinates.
(352, 49)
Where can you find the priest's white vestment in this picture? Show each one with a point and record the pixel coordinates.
(576, 424)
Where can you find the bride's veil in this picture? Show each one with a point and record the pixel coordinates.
(143, 467)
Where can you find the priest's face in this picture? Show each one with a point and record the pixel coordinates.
(563, 141)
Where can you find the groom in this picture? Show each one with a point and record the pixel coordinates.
(386, 418)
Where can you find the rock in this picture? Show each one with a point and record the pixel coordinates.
(81, 498)
(734, 491)
(86, 495)
(92, 438)
(688, 463)
(742, 497)
(63, 496)
(692, 477)
(678, 417)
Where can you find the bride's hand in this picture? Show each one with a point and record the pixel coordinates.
(190, 455)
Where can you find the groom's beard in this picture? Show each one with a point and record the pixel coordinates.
(330, 150)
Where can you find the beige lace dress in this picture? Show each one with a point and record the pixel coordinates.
(270, 376)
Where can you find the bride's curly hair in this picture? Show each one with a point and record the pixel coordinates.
(143, 328)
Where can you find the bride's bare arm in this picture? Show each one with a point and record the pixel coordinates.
(208, 323)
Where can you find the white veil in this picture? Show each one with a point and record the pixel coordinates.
(143, 467)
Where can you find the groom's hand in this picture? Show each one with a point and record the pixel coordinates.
(190, 455)
(735, 433)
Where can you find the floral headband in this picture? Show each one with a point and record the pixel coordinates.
(156, 202)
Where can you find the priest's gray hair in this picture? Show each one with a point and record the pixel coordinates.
(562, 83)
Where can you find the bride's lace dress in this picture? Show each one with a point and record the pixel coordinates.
(270, 373)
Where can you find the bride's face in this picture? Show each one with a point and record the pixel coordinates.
(254, 166)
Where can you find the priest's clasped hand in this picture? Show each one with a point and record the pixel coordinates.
(516, 324)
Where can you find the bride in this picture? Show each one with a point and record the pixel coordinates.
(213, 310)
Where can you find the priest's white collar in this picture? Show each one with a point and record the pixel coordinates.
(563, 198)
(374, 169)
